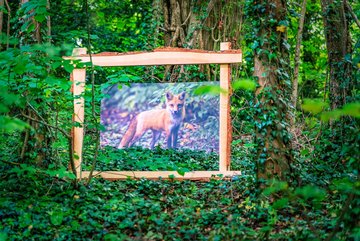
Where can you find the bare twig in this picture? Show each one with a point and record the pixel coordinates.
(94, 159)
(48, 125)
(10, 162)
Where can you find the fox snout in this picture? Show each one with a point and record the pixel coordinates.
(176, 112)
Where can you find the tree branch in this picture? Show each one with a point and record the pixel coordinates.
(348, 6)
(48, 125)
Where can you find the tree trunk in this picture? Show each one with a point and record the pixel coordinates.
(201, 25)
(273, 96)
(39, 139)
(37, 31)
(48, 22)
(338, 43)
(1, 16)
(297, 59)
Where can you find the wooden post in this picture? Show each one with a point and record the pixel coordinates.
(225, 135)
(78, 77)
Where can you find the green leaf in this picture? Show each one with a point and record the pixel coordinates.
(209, 89)
(245, 84)
(40, 18)
(9, 124)
(68, 66)
(352, 109)
(313, 106)
(334, 115)
(310, 191)
(182, 171)
(275, 186)
(281, 203)
(3, 108)
(111, 237)
(56, 217)
(3, 236)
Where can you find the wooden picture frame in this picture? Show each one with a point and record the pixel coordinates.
(162, 56)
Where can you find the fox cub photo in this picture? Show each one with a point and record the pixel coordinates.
(165, 115)
(166, 120)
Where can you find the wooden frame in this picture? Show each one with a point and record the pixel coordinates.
(163, 56)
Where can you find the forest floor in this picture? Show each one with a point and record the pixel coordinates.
(34, 206)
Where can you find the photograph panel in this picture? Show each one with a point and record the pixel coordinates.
(165, 115)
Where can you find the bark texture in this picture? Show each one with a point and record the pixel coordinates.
(273, 73)
(201, 25)
(339, 48)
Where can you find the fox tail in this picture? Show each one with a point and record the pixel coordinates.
(129, 134)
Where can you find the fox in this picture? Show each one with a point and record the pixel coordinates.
(166, 120)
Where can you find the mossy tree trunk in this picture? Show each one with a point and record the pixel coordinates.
(273, 96)
(339, 48)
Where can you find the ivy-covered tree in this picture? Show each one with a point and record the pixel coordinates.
(339, 48)
(271, 67)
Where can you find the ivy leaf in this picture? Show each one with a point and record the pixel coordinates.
(56, 217)
(281, 28)
(182, 171)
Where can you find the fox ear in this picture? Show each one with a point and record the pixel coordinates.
(169, 95)
(182, 95)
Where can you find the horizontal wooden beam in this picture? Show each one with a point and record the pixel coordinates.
(155, 175)
(169, 57)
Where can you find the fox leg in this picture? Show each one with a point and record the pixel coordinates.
(169, 139)
(135, 138)
(174, 134)
(155, 138)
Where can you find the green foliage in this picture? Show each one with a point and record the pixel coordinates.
(138, 159)
(245, 84)
(38, 200)
(173, 210)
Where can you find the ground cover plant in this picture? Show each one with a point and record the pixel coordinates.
(295, 116)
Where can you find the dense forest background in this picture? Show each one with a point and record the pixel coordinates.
(295, 111)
